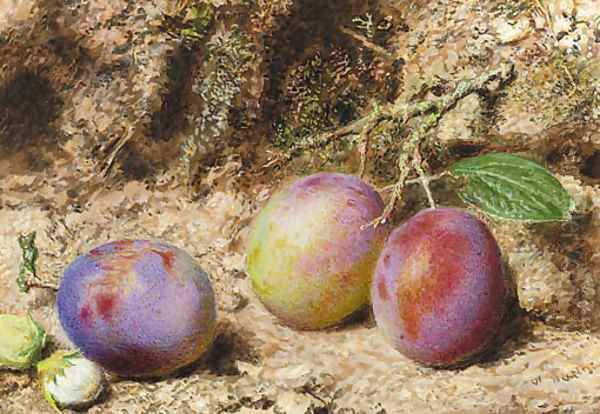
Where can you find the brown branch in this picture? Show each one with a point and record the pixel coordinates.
(438, 108)
(409, 159)
(367, 43)
(41, 285)
(403, 111)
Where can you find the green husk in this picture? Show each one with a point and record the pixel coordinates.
(69, 380)
(21, 342)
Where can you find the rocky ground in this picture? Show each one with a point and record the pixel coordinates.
(167, 120)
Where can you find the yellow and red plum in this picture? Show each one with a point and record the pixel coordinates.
(312, 253)
(137, 308)
(438, 292)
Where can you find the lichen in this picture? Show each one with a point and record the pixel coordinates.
(229, 56)
(366, 24)
(565, 88)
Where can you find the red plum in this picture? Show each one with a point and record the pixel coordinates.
(438, 291)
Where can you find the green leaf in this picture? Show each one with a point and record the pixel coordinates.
(29, 254)
(509, 187)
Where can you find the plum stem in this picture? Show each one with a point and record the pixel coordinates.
(425, 184)
(419, 180)
(424, 180)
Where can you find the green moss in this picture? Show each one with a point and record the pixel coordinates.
(190, 20)
(315, 103)
(200, 18)
(307, 114)
(513, 9)
(284, 135)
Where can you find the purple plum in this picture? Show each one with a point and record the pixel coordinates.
(137, 308)
(438, 292)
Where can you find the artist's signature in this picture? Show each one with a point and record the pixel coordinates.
(569, 376)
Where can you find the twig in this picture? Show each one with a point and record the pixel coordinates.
(363, 154)
(546, 14)
(315, 396)
(409, 158)
(418, 180)
(41, 285)
(396, 110)
(111, 158)
(411, 147)
(353, 128)
(364, 142)
(417, 164)
(367, 43)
